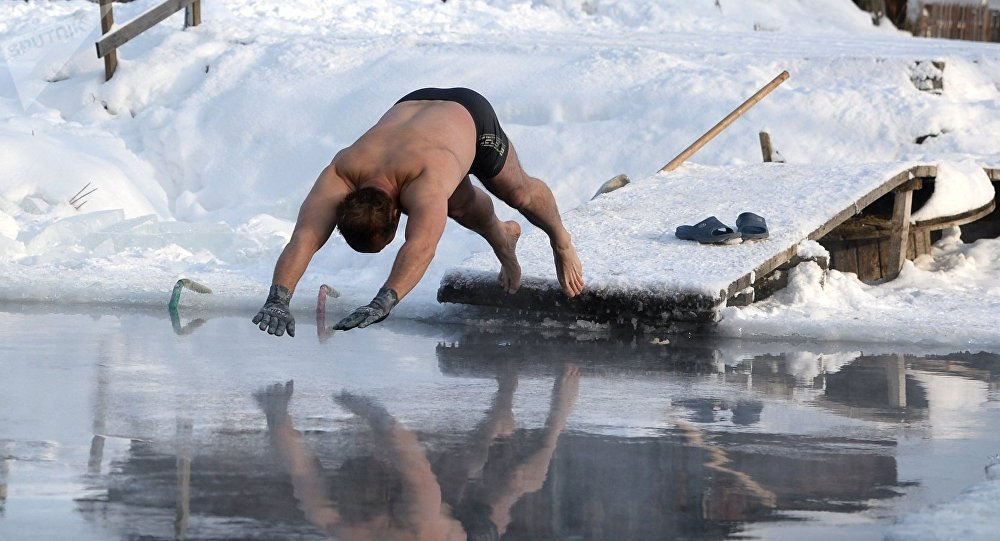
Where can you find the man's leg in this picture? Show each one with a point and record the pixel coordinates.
(529, 473)
(473, 209)
(534, 200)
(455, 469)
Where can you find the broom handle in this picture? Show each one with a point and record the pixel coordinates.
(724, 123)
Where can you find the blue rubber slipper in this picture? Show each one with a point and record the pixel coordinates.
(751, 226)
(708, 231)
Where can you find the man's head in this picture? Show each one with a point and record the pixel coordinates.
(368, 219)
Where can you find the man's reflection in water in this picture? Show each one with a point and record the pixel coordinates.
(420, 507)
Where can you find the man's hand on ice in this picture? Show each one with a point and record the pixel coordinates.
(376, 311)
(275, 317)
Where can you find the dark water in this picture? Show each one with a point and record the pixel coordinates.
(130, 425)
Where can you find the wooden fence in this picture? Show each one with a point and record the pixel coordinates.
(110, 41)
(958, 21)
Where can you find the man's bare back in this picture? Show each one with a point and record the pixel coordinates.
(413, 140)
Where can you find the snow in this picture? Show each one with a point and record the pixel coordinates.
(207, 139)
(958, 187)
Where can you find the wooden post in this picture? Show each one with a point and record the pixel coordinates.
(107, 21)
(900, 236)
(182, 514)
(877, 11)
(111, 40)
(192, 14)
(765, 147)
(724, 123)
(895, 372)
(984, 19)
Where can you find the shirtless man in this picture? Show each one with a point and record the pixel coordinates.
(417, 160)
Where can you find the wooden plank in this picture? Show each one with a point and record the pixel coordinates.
(110, 42)
(921, 242)
(724, 123)
(845, 260)
(957, 219)
(899, 238)
(883, 255)
(107, 21)
(868, 261)
(621, 307)
(856, 208)
(925, 171)
(736, 288)
(192, 14)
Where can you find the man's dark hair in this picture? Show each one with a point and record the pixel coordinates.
(365, 487)
(367, 218)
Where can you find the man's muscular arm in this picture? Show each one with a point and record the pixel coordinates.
(316, 221)
(427, 210)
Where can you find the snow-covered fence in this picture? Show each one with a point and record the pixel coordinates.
(110, 41)
(974, 22)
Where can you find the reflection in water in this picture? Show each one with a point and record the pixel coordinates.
(463, 499)
(692, 440)
(188, 328)
(701, 478)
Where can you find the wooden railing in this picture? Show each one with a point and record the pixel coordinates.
(110, 41)
(958, 21)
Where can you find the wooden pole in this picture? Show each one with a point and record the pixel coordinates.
(107, 21)
(900, 235)
(765, 147)
(192, 14)
(724, 123)
(895, 371)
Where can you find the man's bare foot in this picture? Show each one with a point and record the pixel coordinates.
(569, 270)
(510, 270)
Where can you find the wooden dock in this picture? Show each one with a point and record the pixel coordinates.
(862, 244)
(639, 274)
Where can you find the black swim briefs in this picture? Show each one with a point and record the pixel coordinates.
(491, 142)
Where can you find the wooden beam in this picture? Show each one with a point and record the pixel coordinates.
(925, 171)
(107, 21)
(900, 235)
(961, 218)
(110, 42)
(725, 122)
(858, 206)
(895, 372)
(192, 14)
